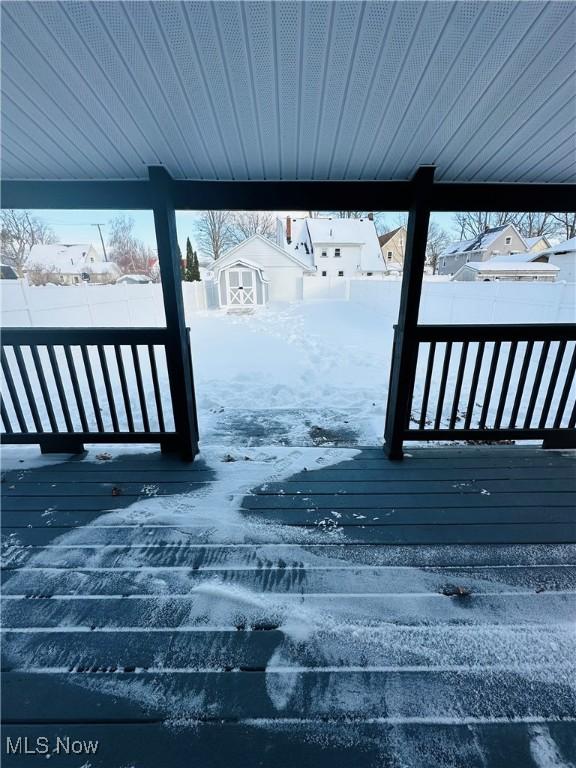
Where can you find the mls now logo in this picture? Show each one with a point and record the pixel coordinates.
(23, 745)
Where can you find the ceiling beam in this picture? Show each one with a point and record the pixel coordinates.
(287, 195)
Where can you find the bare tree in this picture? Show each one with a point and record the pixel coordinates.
(566, 225)
(472, 223)
(529, 224)
(215, 232)
(19, 232)
(438, 239)
(245, 224)
(131, 254)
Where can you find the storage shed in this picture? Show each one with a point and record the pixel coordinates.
(258, 271)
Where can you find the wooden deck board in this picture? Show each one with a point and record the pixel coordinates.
(106, 623)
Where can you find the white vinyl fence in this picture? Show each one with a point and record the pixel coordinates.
(134, 306)
(91, 306)
(458, 302)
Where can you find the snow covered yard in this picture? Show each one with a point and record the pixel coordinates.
(295, 375)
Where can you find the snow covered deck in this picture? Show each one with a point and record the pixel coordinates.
(292, 606)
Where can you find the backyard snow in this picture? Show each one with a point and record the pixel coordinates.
(275, 375)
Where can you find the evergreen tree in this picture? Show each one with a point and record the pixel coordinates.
(195, 268)
(189, 268)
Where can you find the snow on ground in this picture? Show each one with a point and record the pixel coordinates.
(274, 375)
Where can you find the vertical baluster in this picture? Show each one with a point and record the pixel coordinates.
(490, 384)
(124, 387)
(474, 384)
(458, 387)
(565, 390)
(108, 387)
(60, 387)
(5, 417)
(521, 383)
(76, 388)
(28, 389)
(44, 388)
(156, 384)
(140, 385)
(572, 421)
(552, 384)
(13, 392)
(443, 380)
(505, 384)
(536, 384)
(92, 388)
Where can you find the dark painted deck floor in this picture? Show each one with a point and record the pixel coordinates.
(355, 612)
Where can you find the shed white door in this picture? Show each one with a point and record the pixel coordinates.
(241, 288)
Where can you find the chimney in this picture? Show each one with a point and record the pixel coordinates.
(371, 216)
(288, 230)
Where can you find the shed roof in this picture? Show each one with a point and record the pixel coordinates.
(289, 90)
(510, 266)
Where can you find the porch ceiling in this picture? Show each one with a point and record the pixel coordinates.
(260, 90)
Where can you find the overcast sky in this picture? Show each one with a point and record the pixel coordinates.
(79, 226)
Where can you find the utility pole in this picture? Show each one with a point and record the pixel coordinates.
(101, 240)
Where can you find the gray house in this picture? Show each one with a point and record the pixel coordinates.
(493, 242)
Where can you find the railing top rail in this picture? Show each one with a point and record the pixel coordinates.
(508, 332)
(84, 336)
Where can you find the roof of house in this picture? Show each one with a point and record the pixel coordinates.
(66, 257)
(299, 258)
(479, 243)
(568, 246)
(532, 241)
(383, 239)
(309, 233)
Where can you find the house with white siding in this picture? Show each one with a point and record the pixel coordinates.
(69, 264)
(335, 247)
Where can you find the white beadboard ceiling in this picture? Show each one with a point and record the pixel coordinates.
(289, 90)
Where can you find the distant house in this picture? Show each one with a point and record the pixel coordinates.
(258, 271)
(393, 248)
(538, 243)
(69, 264)
(563, 256)
(503, 240)
(334, 247)
(525, 270)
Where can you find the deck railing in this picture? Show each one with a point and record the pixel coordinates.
(64, 387)
(492, 382)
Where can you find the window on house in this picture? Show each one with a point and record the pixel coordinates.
(508, 240)
(324, 273)
(324, 253)
(389, 255)
(341, 273)
(337, 253)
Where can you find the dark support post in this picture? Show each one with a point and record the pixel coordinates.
(404, 354)
(178, 355)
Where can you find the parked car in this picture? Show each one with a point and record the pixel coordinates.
(7, 272)
(133, 279)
